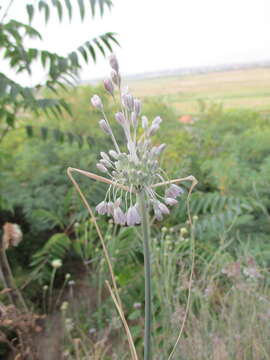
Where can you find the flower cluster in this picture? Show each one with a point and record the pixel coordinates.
(137, 168)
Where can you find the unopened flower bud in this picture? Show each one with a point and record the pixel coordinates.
(134, 120)
(137, 106)
(113, 154)
(96, 102)
(137, 305)
(157, 120)
(120, 118)
(101, 167)
(170, 201)
(108, 86)
(153, 129)
(114, 62)
(104, 126)
(183, 231)
(64, 306)
(128, 101)
(104, 156)
(173, 191)
(106, 163)
(160, 149)
(163, 208)
(57, 263)
(144, 122)
(115, 78)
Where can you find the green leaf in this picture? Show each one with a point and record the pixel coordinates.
(59, 10)
(81, 8)
(82, 50)
(111, 35)
(10, 118)
(42, 5)
(100, 47)
(106, 42)
(93, 6)
(92, 51)
(69, 9)
(30, 11)
(74, 59)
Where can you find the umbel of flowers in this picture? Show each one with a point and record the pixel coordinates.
(136, 167)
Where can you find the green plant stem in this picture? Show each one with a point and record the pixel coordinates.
(147, 273)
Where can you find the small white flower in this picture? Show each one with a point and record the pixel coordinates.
(56, 263)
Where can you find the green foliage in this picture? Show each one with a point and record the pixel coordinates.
(55, 248)
(61, 71)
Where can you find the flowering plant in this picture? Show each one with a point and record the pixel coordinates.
(132, 174)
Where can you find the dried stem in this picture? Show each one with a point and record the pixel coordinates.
(116, 296)
(15, 295)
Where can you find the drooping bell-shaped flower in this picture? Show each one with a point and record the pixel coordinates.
(102, 208)
(173, 191)
(133, 217)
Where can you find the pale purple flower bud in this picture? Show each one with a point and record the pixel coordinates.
(108, 86)
(137, 106)
(104, 156)
(160, 149)
(115, 78)
(173, 191)
(104, 126)
(114, 154)
(157, 120)
(163, 208)
(119, 216)
(120, 118)
(102, 208)
(117, 202)
(101, 167)
(128, 101)
(110, 208)
(114, 62)
(133, 216)
(153, 129)
(106, 163)
(158, 214)
(96, 102)
(134, 120)
(170, 201)
(144, 122)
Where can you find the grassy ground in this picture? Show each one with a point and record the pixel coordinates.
(249, 88)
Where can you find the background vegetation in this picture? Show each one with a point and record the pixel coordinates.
(227, 150)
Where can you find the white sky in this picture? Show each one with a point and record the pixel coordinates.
(166, 34)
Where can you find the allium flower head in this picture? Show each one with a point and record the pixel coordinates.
(135, 168)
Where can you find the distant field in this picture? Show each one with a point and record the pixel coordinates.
(248, 88)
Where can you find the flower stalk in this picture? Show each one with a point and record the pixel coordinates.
(147, 273)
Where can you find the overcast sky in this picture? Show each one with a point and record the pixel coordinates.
(167, 34)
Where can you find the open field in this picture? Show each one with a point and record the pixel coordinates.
(249, 88)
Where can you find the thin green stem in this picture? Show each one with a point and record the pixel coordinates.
(147, 273)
